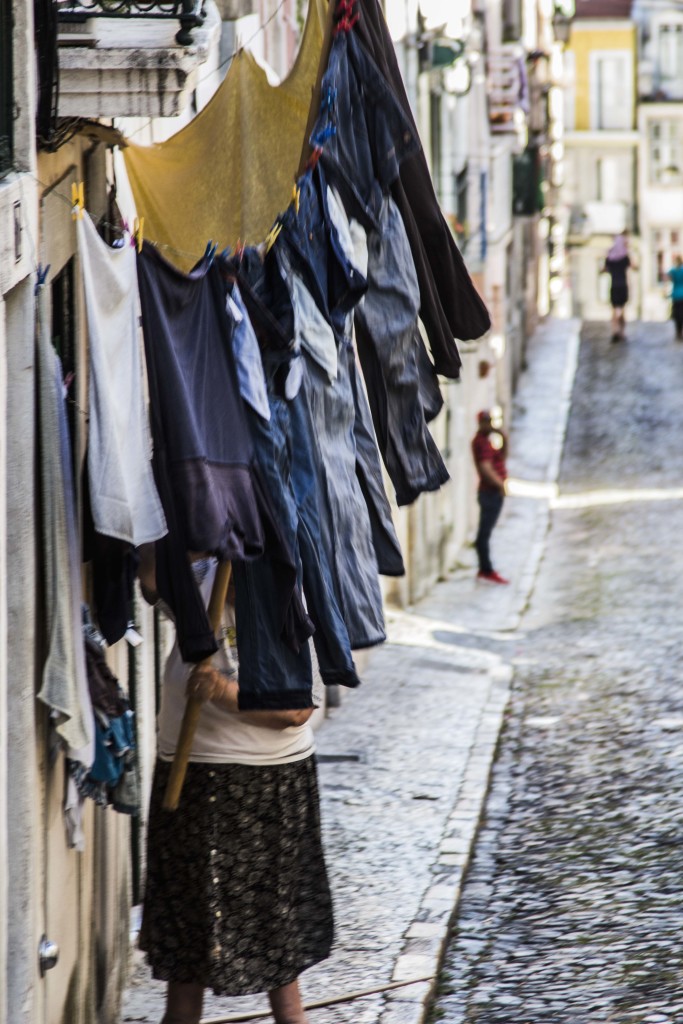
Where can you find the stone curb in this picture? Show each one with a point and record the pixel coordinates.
(427, 937)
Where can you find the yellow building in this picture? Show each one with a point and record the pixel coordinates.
(601, 145)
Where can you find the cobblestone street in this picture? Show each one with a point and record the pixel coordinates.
(572, 910)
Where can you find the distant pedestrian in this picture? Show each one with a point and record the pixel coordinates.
(617, 263)
(492, 472)
(676, 275)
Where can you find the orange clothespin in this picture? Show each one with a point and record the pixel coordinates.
(296, 195)
(272, 235)
(138, 232)
(314, 157)
(77, 200)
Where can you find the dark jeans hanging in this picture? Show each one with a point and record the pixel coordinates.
(450, 306)
(389, 350)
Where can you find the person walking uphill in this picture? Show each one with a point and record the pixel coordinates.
(617, 263)
(492, 472)
(236, 895)
(676, 276)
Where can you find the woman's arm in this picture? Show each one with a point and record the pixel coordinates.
(208, 683)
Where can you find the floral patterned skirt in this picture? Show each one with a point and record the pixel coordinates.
(236, 895)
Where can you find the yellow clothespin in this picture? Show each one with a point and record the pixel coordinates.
(77, 200)
(296, 193)
(138, 232)
(272, 235)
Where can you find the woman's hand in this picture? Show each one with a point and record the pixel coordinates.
(207, 683)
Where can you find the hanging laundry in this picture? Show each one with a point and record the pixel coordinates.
(450, 306)
(252, 382)
(63, 686)
(311, 330)
(347, 250)
(113, 779)
(213, 497)
(313, 250)
(386, 331)
(233, 165)
(364, 134)
(353, 240)
(114, 566)
(123, 496)
(345, 529)
(288, 469)
(369, 473)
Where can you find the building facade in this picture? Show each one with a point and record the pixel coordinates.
(602, 145)
(660, 160)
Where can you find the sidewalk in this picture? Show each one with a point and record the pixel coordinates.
(405, 762)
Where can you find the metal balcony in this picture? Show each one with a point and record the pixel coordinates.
(119, 58)
(190, 13)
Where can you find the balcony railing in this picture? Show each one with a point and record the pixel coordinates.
(190, 13)
(6, 88)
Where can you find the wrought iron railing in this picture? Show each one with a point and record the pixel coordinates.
(190, 13)
(6, 88)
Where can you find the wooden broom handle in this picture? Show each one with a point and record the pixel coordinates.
(193, 705)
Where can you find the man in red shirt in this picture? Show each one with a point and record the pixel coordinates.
(492, 472)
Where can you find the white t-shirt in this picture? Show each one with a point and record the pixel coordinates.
(222, 737)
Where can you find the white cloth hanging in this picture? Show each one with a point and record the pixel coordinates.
(64, 685)
(123, 495)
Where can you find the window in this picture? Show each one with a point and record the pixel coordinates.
(665, 148)
(670, 53)
(666, 244)
(607, 168)
(512, 21)
(611, 90)
(6, 89)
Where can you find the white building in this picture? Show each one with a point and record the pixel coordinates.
(660, 166)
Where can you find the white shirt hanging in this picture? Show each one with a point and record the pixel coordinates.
(123, 495)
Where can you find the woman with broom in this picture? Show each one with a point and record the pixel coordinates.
(236, 898)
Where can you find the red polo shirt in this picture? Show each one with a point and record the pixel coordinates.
(483, 451)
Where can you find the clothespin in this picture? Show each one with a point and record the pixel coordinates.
(272, 235)
(296, 196)
(138, 232)
(77, 200)
(210, 250)
(346, 18)
(239, 249)
(314, 157)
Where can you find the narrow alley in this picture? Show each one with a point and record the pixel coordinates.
(572, 908)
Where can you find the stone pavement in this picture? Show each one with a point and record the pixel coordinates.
(405, 761)
(572, 908)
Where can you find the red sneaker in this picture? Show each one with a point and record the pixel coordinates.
(491, 577)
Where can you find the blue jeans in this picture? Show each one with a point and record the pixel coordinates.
(363, 130)
(389, 348)
(490, 505)
(313, 249)
(287, 465)
(345, 525)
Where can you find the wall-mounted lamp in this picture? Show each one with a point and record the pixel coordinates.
(562, 26)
